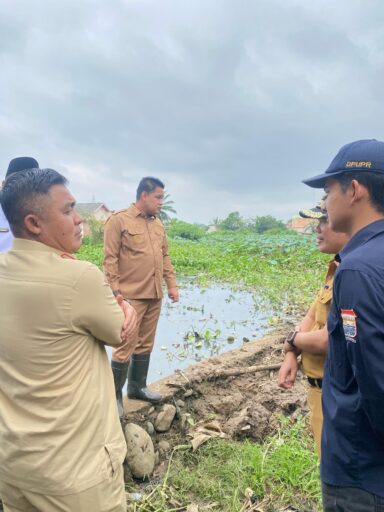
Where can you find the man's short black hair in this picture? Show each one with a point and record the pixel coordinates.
(22, 191)
(148, 184)
(372, 181)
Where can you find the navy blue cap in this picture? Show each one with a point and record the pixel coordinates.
(361, 155)
(20, 163)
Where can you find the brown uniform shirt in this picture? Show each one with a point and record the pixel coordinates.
(136, 255)
(313, 364)
(59, 427)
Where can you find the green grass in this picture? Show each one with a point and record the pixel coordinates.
(92, 253)
(280, 472)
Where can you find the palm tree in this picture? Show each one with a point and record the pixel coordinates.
(166, 209)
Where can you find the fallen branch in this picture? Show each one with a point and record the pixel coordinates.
(201, 376)
(243, 371)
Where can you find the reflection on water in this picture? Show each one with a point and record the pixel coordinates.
(206, 322)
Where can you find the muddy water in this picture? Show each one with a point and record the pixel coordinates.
(207, 321)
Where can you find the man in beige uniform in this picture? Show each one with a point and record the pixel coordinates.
(310, 338)
(61, 444)
(136, 262)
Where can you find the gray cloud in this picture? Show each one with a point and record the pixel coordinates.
(232, 103)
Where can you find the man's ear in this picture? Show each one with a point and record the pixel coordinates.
(358, 191)
(32, 224)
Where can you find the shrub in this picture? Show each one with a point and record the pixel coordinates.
(96, 228)
(180, 229)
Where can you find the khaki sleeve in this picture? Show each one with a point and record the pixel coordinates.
(112, 247)
(168, 271)
(94, 308)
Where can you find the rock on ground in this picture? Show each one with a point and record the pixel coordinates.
(140, 452)
(165, 417)
(164, 446)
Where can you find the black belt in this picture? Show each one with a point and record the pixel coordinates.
(315, 383)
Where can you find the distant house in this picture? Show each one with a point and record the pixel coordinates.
(98, 211)
(303, 226)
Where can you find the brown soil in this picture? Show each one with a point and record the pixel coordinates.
(244, 405)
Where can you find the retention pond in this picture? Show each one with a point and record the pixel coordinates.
(206, 322)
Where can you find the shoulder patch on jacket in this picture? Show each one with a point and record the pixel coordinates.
(348, 317)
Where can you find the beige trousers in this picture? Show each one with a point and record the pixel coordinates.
(109, 496)
(142, 339)
(316, 415)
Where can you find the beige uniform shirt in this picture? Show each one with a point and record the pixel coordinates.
(136, 255)
(59, 426)
(313, 364)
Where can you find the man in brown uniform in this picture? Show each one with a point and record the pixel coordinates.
(61, 444)
(310, 338)
(136, 261)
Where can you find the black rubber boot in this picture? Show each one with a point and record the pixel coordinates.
(137, 379)
(119, 371)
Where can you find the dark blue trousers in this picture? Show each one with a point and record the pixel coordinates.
(350, 499)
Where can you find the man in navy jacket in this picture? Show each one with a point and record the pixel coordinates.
(352, 466)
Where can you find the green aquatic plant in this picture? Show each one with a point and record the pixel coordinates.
(283, 271)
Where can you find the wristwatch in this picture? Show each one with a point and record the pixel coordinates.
(290, 339)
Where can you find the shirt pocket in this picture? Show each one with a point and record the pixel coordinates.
(325, 295)
(109, 463)
(322, 306)
(134, 237)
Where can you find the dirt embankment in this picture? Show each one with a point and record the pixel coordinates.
(234, 395)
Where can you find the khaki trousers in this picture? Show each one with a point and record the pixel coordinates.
(109, 496)
(315, 415)
(142, 339)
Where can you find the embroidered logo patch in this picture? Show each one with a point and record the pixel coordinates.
(367, 165)
(349, 324)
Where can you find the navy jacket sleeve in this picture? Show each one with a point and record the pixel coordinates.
(359, 299)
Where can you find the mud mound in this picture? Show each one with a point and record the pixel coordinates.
(234, 395)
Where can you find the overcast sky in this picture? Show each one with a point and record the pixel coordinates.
(231, 102)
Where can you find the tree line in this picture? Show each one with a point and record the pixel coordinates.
(234, 222)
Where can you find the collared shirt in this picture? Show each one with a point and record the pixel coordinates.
(136, 255)
(59, 424)
(313, 364)
(6, 236)
(353, 385)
